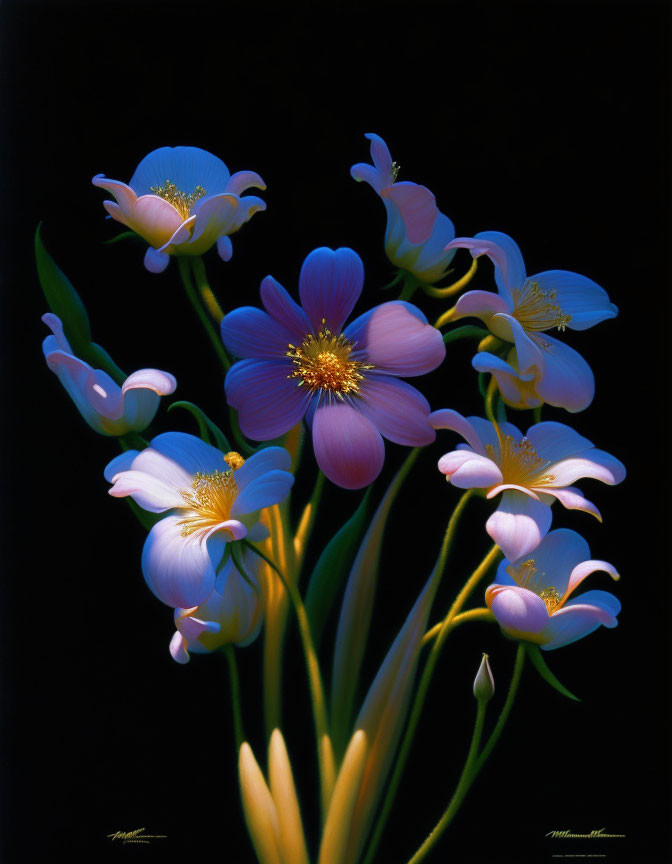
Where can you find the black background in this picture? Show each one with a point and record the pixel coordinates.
(546, 121)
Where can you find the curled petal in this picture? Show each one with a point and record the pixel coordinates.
(516, 389)
(579, 617)
(593, 463)
(178, 648)
(504, 253)
(242, 180)
(520, 613)
(123, 194)
(329, 286)
(481, 304)
(468, 470)
(215, 217)
(348, 447)
(446, 418)
(518, 524)
(381, 156)
(397, 410)
(120, 463)
(571, 498)
(149, 492)
(585, 568)
(555, 557)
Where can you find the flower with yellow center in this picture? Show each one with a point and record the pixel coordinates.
(181, 200)
(531, 471)
(530, 598)
(523, 312)
(209, 499)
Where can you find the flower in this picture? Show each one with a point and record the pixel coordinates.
(526, 307)
(210, 499)
(182, 200)
(417, 233)
(106, 407)
(531, 471)
(233, 613)
(530, 597)
(300, 361)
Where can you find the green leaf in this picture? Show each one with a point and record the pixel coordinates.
(539, 664)
(205, 425)
(482, 386)
(333, 566)
(469, 331)
(62, 298)
(125, 235)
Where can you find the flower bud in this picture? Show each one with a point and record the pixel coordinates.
(484, 683)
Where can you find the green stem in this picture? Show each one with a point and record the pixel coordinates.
(506, 710)
(192, 294)
(205, 290)
(235, 696)
(461, 790)
(318, 698)
(411, 285)
(536, 414)
(489, 401)
(430, 664)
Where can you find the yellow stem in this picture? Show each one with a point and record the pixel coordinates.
(444, 319)
(449, 290)
(480, 614)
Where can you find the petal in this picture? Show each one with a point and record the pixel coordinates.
(481, 304)
(123, 194)
(518, 611)
(248, 205)
(397, 410)
(556, 441)
(431, 264)
(267, 459)
(516, 390)
(585, 568)
(156, 262)
(531, 357)
(503, 576)
(397, 339)
(504, 253)
(284, 310)
(155, 219)
(242, 180)
(417, 207)
(579, 617)
(264, 491)
(555, 558)
(269, 404)
(182, 452)
(224, 247)
(329, 286)
(348, 447)
(216, 216)
(593, 463)
(186, 167)
(380, 154)
(147, 491)
(178, 648)
(571, 498)
(248, 332)
(518, 524)
(177, 569)
(141, 392)
(364, 171)
(446, 418)
(468, 470)
(567, 380)
(578, 296)
(160, 382)
(120, 463)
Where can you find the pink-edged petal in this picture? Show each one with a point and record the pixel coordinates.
(348, 447)
(267, 401)
(230, 529)
(156, 262)
(593, 463)
(567, 380)
(162, 383)
(176, 568)
(155, 219)
(178, 648)
(123, 194)
(191, 627)
(481, 304)
(329, 286)
(518, 524)
(531, 357)
(488, 434)
(267, 459)
(181, 236)
(248, 205)
(581, 298)
(417, 207)
(148, 492)
(518, 611)
(264, 491)
(516, 390)
(216, 216)
(181, 453)
(120, 463)
(585, 568)
(284, 310)
(468, 470)
(250, 333)
(224, 248)
(504, 253)
(446, 418)
(556, 441)
(242, 180)
(397, 339)
(397, 410)
(577, 618)
(512, 486)
(571, 498)
(186, 167)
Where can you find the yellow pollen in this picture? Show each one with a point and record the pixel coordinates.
(527, 575)
(323, 363)
(180, 200)
(535, 308)
(234, 460)
(394, 171)
(210, 500)
(520, 463)
(551, 598)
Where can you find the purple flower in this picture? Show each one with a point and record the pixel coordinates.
(209, 499)
(530, 471)
(543, 368)
(301, 362)
(530, 598)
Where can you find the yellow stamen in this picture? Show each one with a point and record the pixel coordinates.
(520, 463)
(551, 598)
(394, 171)
(528, 576)
(234, 460)
(535, 308)
(323, 363)
(181, 201)
(210, 498)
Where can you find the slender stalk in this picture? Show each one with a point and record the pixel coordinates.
(192, 294)
(428, 671)
(456, 287)
(460, 791)
(205, 290)
(410, 286)
(473, 764)
(536, 414)
(446, 318)
(480, 614)
(234, 682)
(306, 522)
(489, 403)
(318, 698)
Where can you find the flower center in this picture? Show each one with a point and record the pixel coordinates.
(323, 363)
(528, 576)
(536, 310)
(520, 463)
(211, 497)
(180, 200)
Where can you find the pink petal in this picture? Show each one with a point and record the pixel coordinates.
(446, 418)
(147, 491)
(585, 568)
(518, 524)
(504, 486)
(481, 304)
(397, 410)
(593, 463)
(397, 339)
(329, 286)
(216, 216)
(155, 219)
(571, 498)
(468, 470)
(556, 441)
(417, 207)
(504, 253)
(178, 648)
(242, 180)
(518, 611)
(160, 382)
(123, 194)
(348, 447)
(567, 381)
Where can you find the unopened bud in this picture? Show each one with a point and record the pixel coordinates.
(484, 683)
